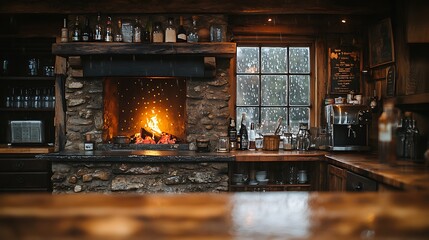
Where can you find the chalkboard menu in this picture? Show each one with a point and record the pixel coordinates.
(344, 70)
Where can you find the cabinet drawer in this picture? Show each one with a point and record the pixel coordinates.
(24, 165)
(24, 180)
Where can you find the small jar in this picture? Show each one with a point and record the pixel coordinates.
(287, 142)
(157, 34)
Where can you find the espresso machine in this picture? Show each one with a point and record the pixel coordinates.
(348, 126)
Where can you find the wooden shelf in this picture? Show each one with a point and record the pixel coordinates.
(422, 98)
(206, 49)
(36, 78)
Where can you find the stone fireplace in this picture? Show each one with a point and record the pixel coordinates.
(200, 105)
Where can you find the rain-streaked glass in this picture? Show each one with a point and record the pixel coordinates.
(270, 115)
(299, 58)
(274, 60)
(252, 115)
(274, 90)
(247, 90)
(298, 115)
(247, 59)
(299, 90)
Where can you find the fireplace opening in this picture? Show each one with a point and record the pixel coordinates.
(149, 110)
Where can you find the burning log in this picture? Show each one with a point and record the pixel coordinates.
(150, 137)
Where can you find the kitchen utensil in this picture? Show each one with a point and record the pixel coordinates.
(121, 140)
(271, 142)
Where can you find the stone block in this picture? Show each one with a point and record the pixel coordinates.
(87, 178)
(174, 180)
(58, 177)
(103, 175)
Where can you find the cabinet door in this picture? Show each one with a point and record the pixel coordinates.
(336, 178)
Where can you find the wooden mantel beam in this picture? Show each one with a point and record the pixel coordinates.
(196, 6)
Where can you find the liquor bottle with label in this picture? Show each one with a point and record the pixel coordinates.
(109, 33)
(170, 31)
(88, 145)
(232, 134)
(137, 31)
(157, 34)
(76, 35)
(181, 32)
(244, 140)
(64, 32)
(193, 34)
(98, 30)
(86, 32)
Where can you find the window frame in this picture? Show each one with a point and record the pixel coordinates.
(312, 109)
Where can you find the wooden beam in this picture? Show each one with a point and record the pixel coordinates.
(195, 7)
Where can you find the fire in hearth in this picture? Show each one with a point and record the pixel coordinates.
(154, 108)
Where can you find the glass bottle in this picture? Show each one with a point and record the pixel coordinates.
(157, 34)
(181, 32)
(244, 140)
(64, 32)
(232, 134)
(252, 137)
(109, 34)
(147, 32)
(412, 140)
(137, 31)
(98, 30)
(401, 135)
(76, 35)
(118, 35)
(170, 31)
(387, 124)
(193, 34)
(86, 33)
(88, 144)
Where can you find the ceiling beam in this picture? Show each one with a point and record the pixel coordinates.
(347, 7)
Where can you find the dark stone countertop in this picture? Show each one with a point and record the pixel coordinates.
(129, 155)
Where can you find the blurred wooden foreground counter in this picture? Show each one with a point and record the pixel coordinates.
(280, 215)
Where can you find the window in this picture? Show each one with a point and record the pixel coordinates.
(273, 82)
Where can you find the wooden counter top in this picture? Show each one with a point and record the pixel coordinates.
(24, 150)
(284, 215)
(274, 156)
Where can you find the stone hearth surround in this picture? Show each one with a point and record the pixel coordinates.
(207, 107)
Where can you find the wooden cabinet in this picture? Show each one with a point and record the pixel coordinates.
(24, 173)
(281, 176)
(340, 179)
(336, 178)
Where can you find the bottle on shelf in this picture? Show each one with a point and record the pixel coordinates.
(244, 140)
(170, 31)
(252, 137)
(137, 31)
(109, 32)
(193, 34)
(118, 35)
(147, 32)
(76, 34)
(412, 141)
(387, 124)
(88, 144)
(86, 32)
(181, 32)
(232, 134)
(64, 32)
(158, 33)
(98, 30)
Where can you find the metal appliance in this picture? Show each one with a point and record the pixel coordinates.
(26, 132)
(348, 126)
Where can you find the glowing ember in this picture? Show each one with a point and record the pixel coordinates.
(158, 137)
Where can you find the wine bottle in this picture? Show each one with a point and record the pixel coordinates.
(137, 31)
(244, 140)
(181, 32)
(252, 137)
(86, 33)
(170, 31)
(76, 36)
(387, 124)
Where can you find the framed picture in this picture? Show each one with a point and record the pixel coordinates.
(381, 48)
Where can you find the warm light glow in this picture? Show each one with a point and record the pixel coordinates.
(269, 20)
(152, 123)
(343, 20)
